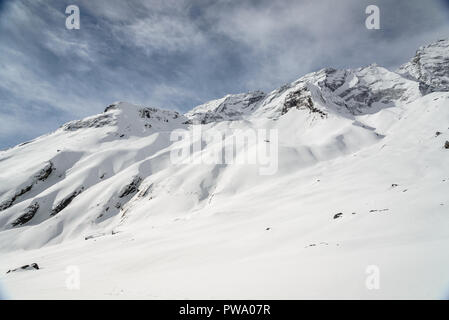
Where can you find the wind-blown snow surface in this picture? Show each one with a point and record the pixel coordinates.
(101, 194)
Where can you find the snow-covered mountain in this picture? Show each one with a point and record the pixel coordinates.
(361, 179)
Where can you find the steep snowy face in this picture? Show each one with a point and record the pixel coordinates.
(430, 67)
(230, 107)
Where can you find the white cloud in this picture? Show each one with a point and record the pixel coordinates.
(162, 33)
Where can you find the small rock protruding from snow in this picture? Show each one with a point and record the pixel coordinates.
(33, 266)
(338, 215)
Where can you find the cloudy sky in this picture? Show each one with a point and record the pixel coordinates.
(177, 54)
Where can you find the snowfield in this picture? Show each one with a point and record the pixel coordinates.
(360, 191)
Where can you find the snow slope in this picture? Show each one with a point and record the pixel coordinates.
(362, 180)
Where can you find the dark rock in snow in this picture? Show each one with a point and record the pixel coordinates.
(66, 201)
(338, 215)
(8, 203)
(42, 175)
(301, 99)
(111, 107)
(45, 172)
(131, 188)
(33, 266)
(27, 216)
(381, 210)
(446, 145)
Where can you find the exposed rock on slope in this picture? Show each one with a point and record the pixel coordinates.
(66, 201)
(33, 266)
(300, 99)
(27, 216)
(131, 188)
(42, 175)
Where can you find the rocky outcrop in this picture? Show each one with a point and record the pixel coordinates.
(66, 201)
(45, 172)
(42, 175)
(158, 114)
(33, 266)
(27, 216)
(301, 99)
(9, 202)
(131, 188)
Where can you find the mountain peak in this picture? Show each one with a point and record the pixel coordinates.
(430, 67)
(129, 118)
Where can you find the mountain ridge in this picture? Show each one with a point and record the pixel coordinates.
(360, 172)
(354, 99)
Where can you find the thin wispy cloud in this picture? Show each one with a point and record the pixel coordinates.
(176, 54)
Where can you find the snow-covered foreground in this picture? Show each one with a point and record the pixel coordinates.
(360, 191)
